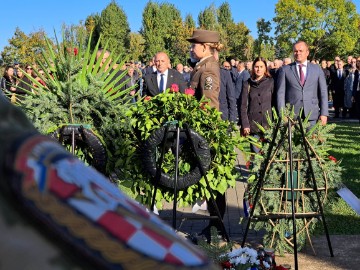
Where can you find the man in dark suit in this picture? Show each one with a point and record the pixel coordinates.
(163, 78)
(242, 75)
(338, 93)
(303, 85)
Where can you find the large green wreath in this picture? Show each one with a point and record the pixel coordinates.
(273, 198)
(151, 114)
(77, 90)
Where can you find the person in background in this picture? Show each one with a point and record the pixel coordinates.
(185, 74)
(16, 67)
(8, 81)
(338, 91)
(248, 66)
(22, 84)
(327, 77)
(303, 85)
(356, 88)
(256, 100)
(157, 82)
(243, 75)
(348, 89)
(287, 61)
(227, 100)
(132, 82)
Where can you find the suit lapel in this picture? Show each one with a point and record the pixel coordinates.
(296, 75)
(170, 79)
(154, 81)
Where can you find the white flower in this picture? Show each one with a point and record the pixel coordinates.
(266, 265)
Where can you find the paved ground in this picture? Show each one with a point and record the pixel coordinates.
(346, 249)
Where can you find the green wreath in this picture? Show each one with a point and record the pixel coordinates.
(165, 137)
(149, 115)
(275, 198)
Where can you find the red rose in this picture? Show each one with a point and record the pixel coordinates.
(226, 265)
(147, 98)
(189, 91)
(174, 88)
(76, 51)
(332, 158)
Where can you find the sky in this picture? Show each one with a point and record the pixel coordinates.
(47, 15)
(35, 15)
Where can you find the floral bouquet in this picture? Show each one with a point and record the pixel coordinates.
(243, 259)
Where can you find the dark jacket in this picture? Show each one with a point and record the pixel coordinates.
(151, 87)
(227, 98)
(256, 102)
(356, 82)
(243, 76)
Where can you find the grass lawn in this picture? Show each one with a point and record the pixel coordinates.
(339, 216)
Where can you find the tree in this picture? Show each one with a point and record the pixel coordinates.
(136, 49)
(23, 48)
(224, 15)
(115, 27)
(330, 27)
(92, 24)
(264, 42)
(151, 29)
(238, 35)
(207, 19)
(189, 22)
(164, 30)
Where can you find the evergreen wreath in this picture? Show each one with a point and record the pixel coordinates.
(75, 90)
(150, 115)
(168, 136)
(275, 198)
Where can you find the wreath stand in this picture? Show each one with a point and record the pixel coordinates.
(290, 192)
(81, 136)
(202, 171)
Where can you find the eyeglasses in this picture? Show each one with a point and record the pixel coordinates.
(226, 66)
(29, 68)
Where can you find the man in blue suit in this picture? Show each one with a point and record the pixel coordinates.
(303, 85)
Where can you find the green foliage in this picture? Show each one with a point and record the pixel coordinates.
(77, 91)
(149, 116)
(216, 249)
(239, 40)
(327, 172)
(264, 43)
(344, 146)
(136, 50)
(224, 15)
(164, 30)
(330, 27)
(24, 48)
(114, 26)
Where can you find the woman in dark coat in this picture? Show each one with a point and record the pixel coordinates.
(256, 97)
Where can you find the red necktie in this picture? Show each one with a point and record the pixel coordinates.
(302, 76)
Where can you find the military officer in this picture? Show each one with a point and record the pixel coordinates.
(205, 78)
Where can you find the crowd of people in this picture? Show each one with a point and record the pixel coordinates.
(244, 91)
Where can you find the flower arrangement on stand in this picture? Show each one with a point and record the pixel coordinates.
(151, 114)
(275, 198)
(76, 90)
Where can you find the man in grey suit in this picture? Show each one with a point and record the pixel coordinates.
(303, 85)
(163, 78)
